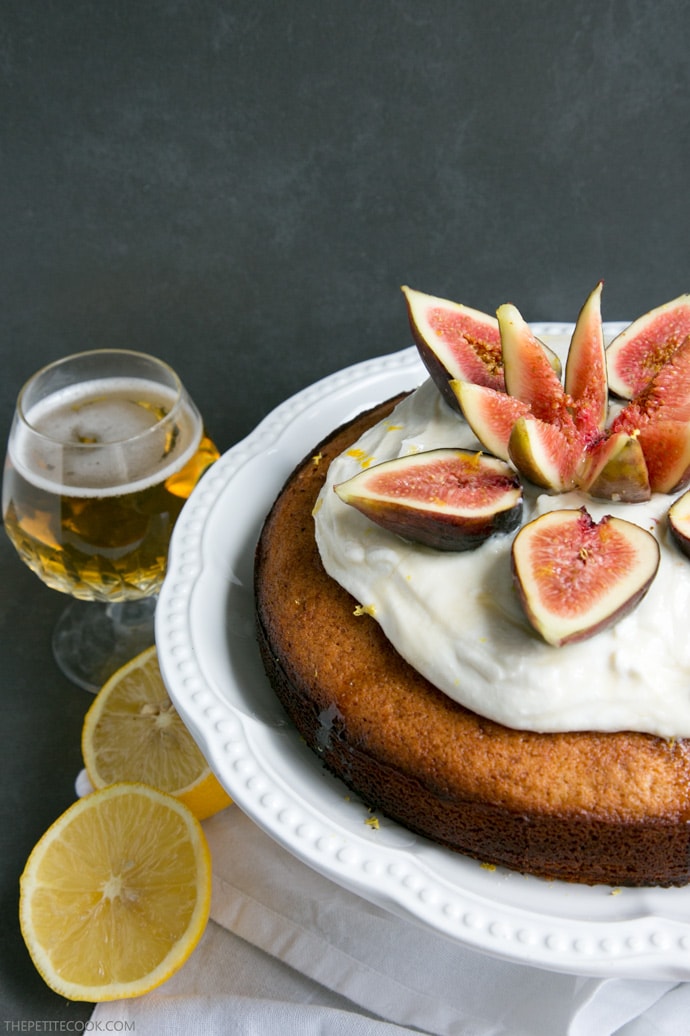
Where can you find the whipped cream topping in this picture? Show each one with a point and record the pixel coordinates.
(456, 617)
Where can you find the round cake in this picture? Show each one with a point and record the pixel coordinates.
(610, 807)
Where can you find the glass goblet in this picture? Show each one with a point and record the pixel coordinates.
(104, 449)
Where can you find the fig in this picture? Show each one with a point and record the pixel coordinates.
(660, 417)
(543, 454)
(576, 577)
(667, 395)
(457, 342)
(490, 414)
(639, 352)
(448, 499)
(585, 371)
(615, 469)
(679, 522)
(666, 449)
(528, 374)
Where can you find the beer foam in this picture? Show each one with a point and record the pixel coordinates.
(105, 437)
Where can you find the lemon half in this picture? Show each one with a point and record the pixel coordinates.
(132, 732)
(116, 894)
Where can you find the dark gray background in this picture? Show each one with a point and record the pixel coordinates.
(242, 187)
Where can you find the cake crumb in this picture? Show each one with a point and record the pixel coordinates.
(365, 609)
(615, 892)
(316, 459)
(488, 866)
(372, 822)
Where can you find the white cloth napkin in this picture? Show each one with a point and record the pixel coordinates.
(289, 951)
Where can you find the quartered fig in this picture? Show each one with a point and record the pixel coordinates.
(448, 499)
(679, 522)
(585, 372)
(666, 449)
(543, 454)
(639, 352)
(490, 414)
(576, 577)
(528, 374)
(457, 342)
(660, 418)
(615, 469)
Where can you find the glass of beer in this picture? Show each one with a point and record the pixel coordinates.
(104, 449)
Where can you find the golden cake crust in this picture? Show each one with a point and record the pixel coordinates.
(587, 807)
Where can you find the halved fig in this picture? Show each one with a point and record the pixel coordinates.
(543, 454)
(679, 522)
(490, 414)
(585, 370)
(457, 342)
(639, 352)
(448, 499)
(576, 577)
(615, 469)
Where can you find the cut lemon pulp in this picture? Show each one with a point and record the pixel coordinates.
(116, 894)
(132, 732)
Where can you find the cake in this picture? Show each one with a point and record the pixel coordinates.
(508, 782)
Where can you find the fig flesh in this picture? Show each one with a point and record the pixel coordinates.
(639, 352)
(458, 342)
(679, 522)
(576, 577)
(448, 499)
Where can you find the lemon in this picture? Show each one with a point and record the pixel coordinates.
(132, 732)
(116, 894)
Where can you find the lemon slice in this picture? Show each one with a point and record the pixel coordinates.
(116, 894)
(132, 732)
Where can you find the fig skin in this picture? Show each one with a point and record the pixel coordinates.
(639, 352)
(576, 578)
(419, 497)
(679, 522)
